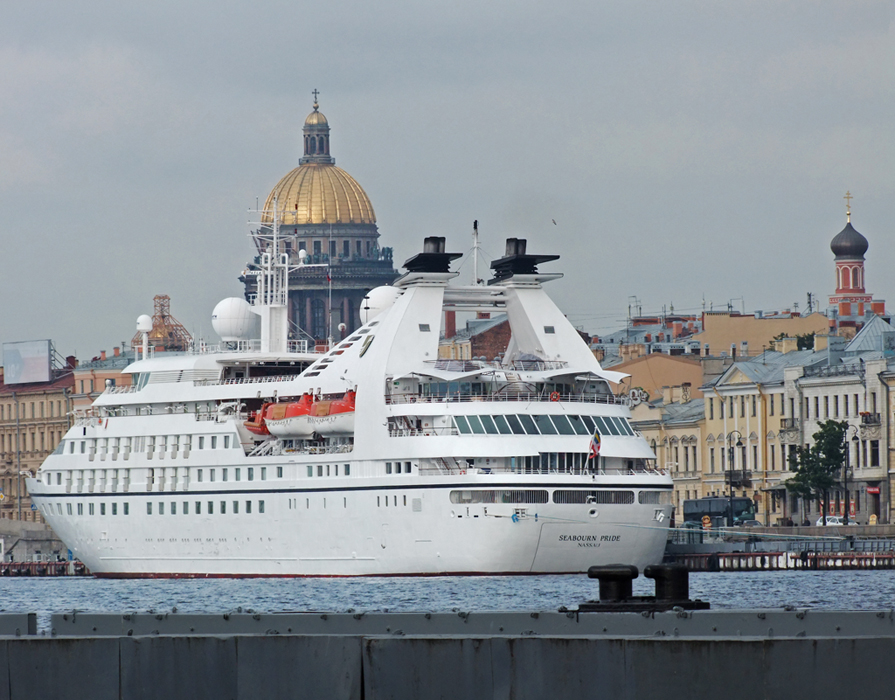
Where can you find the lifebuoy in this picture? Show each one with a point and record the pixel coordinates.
(554, 396)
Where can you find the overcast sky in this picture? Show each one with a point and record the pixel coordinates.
(687, 151)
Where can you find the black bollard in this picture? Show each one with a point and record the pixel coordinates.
(615, 581)
(672, 581)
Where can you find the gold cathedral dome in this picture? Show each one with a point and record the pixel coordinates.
(317, 192)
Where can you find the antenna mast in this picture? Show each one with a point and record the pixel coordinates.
(475, 252)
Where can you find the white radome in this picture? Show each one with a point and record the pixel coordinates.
(144, 323)
(233, 319)
(378, 300)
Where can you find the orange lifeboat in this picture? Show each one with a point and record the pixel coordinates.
(256, 422)
(290, 420)
(334, 417)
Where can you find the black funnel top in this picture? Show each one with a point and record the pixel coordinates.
(516, 262)
(433, 258)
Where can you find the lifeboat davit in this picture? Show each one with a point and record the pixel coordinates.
(290, 420)
(256, 422)
(335, 417)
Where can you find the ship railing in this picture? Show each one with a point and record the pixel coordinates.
(246, 380)
(424, 432)
(254, 345)
(554, 397)
(451, 365)
(130, 389)
(442, 466)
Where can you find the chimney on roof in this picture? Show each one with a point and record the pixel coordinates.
(102, 354)
(71, 362)
(117, 351)
(450, 324)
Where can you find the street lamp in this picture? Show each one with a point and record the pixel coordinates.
(855, 440)
(730, 472)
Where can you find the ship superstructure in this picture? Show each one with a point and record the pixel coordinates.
(395, 462)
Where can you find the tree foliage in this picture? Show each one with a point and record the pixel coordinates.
(817, 467)
(804, 341)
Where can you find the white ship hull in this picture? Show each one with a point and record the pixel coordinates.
(443, 468)
(334, 531)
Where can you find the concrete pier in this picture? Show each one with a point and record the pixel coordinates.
(744, 654)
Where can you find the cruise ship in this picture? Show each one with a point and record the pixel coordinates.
(262, 457)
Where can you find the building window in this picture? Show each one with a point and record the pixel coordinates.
(102, 508)
(279, 472)
(874, 453)
(711, 409)
(248, 506)
(754, 403)
(260, 506)
(712, 460)
(148, 508)
(236, 507)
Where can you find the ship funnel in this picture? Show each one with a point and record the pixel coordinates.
(516, 246)
(433, 258)
(433, 244)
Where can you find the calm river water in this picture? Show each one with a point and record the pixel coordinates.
(846, 590)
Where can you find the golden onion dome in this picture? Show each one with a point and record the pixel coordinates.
(320, 193)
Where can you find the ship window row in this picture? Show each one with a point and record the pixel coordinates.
(237, 474)
(385, 502)
(162, 507)
(328, 470)
(500, 496)
(600, 496)
(149, 444)
(525, 424)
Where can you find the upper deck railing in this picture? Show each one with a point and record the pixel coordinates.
(527, 397)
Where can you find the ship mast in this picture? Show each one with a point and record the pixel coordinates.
(272, 289)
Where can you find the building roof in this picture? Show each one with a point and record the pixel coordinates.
(768, 367)
(876, 336)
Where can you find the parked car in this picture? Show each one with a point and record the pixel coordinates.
(835, 520)
(748, 523)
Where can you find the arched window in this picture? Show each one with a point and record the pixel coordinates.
(854, 277)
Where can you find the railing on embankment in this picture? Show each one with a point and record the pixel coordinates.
(780, 561)
(43, 568)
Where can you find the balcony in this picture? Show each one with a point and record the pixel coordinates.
(870, 419)
(788, 423)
